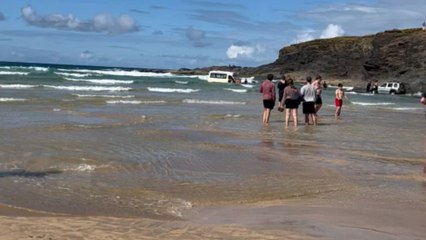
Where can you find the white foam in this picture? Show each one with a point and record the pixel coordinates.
(203, 77)
(177, 207)
(135, 102)
(88, 88)
(13, 73)
(101, 81)
(181, 82)
(123, 102)
(12, 99)
(236, 90)
(73, 74)
(83, 168)
(39, 69)
(118, 72)
(217, 102)
(405, 109)
(17, 86)
(170, 90)
(247, 85)
(373, 104)
(103, 96)
(232, 115)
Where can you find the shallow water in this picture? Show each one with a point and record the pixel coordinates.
(161, 144)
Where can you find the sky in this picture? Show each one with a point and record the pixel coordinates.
(172, 34)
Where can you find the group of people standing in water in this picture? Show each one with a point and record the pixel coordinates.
(290, 97)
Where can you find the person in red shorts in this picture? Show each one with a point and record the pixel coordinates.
(338, 101)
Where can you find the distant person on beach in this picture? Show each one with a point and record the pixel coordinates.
(309, 94)
(282, 84)
(340, 94)
(291, 100)
(375, 88)
(318, 100)
(324, 85)
(267, 88)
(368, 89)
(423, 100)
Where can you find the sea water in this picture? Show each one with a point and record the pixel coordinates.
(122, 142)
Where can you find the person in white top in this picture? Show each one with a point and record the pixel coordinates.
(309, 95)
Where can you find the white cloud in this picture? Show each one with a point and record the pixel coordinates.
(100, 23)
(304, 37)
(234, 51)
(363, 9)
(332, 31)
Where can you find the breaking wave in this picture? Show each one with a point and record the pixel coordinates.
(101, 81)
(236, 90)
(171, 90)
(132, 73)
(73, 74)
(103, 96)
(17, 86)
(216, 102)
(373, 104)
(13, 73)
(12, 99)
(88, 88)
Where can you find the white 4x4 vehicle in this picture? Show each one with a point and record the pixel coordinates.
(392, 88)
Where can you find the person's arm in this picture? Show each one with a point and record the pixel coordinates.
(273, 93)
(423, 100)
(261, 88)
(284, 96)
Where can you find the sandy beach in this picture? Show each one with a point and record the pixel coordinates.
(360, 214)
(153, 159)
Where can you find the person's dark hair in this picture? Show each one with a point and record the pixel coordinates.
(340, 85)
(309, 79)
(290, 82)
(283, 77)
(318, 77)
(270, 76)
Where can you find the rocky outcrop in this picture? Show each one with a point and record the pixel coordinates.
(396, 55)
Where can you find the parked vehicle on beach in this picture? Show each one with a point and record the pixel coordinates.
(392, 88)
(221, 77)
(228, 77)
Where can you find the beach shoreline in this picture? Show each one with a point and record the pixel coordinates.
(356, 215)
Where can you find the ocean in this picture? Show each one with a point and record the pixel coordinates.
(120, 142)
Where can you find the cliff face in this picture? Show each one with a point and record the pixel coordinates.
(397, 55)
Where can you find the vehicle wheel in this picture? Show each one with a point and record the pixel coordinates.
(392, 92)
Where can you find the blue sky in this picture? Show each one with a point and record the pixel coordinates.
(172, 34)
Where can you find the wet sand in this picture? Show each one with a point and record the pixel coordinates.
(355, 215)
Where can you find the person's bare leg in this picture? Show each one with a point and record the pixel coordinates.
(287, 117)
(314, 119)
(264, 116)
(338, 109)
(295, 117)
(306, 119)
(268, 114)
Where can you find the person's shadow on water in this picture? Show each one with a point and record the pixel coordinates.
(28, 174)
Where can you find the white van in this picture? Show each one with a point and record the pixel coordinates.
(221, 77)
